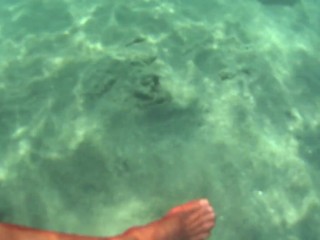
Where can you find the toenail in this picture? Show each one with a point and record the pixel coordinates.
(204, 202)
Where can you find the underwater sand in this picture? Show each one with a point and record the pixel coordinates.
(111, 112)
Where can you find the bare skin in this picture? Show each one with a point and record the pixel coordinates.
(190, 221)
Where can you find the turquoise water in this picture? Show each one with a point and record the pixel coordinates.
(111, 112)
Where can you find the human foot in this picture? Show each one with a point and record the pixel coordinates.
(190, 221)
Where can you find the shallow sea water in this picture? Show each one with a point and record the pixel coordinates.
(111, 112)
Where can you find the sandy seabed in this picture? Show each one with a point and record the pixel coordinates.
(111, 112)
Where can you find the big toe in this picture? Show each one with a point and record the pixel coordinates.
(190, 206)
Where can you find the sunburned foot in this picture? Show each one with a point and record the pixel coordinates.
(191, 221)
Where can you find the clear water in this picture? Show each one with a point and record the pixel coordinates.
(113, 111)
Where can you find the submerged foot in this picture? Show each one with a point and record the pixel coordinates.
(190, 221)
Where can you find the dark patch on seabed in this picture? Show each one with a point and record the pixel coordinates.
(310, 151)
(279, 2)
